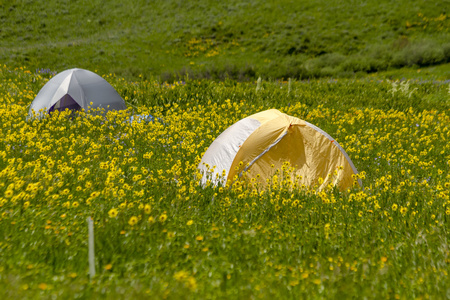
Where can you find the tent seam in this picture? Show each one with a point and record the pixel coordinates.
(264, 152)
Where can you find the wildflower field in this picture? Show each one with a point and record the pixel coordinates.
(159, 234)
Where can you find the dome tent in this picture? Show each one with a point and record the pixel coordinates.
(258, 145)
(76, 89)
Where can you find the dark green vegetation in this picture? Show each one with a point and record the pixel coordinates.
(219, 39)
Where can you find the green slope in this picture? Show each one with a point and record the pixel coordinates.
(224, 38)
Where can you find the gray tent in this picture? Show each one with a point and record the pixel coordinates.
(75, 89)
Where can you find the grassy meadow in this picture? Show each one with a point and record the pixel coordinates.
(158, 234)
(225, 39)
(373, 74)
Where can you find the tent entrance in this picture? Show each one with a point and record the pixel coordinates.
(65, 102)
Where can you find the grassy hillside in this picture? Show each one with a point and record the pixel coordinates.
(161, 235)
(221, 39)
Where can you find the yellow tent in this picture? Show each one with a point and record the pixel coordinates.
(259, 145)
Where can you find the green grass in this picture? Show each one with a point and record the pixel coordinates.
(210, 39)
(158, 234)
(439, 72)
(388, 240)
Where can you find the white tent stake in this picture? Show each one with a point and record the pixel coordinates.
(91, 248)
